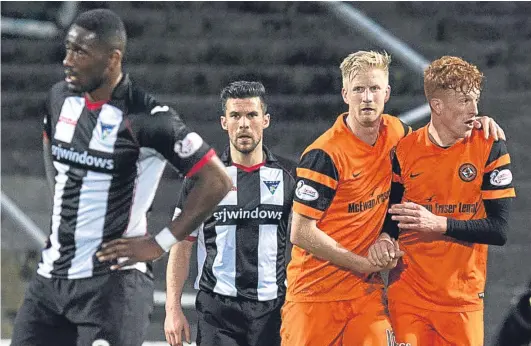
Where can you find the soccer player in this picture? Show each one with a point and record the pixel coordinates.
(343, 183)
(106, 143)
(456, 187)
(241, 247)
(343, 187)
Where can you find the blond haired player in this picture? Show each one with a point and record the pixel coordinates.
(343, 184)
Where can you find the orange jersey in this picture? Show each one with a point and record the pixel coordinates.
(344, 184)
(441, 273)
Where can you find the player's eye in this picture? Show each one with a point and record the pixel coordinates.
(75, 50)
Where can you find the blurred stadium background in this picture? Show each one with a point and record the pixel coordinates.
(185, 52)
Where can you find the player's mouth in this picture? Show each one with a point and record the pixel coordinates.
(245, 137)
(70, 77)
(367, 109)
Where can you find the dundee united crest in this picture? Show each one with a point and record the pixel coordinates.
(467, 172)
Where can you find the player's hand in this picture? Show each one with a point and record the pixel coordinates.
(174, 325)
(398, 253)
(412, 216)
(135, 249)
(383, 251)
(490, 127)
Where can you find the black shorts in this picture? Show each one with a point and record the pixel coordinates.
(106, 310)
(225, 321)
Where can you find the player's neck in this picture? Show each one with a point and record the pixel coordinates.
(440, 136)
(248, 160)
(105, 91)
(367, 134)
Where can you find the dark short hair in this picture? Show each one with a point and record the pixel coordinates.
(243, 90)
(107, 25)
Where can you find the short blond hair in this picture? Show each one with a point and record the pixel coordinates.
(451, 73)
(364, 60)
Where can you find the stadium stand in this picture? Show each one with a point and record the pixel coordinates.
(185, 52)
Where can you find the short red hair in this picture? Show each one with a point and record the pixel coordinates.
(451, 73)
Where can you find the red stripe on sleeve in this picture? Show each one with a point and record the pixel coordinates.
(201, 163)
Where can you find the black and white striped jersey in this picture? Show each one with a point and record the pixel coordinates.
(241, 248)
(109, 157)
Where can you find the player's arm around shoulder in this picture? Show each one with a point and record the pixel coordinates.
(490, 128)
(306, 235)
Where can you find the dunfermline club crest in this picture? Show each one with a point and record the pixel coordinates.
(272, 185)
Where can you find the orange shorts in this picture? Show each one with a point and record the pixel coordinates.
(360, 322)
(418, 327)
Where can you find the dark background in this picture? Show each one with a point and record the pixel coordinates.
(185, 52)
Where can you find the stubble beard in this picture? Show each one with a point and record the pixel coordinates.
(246, 149)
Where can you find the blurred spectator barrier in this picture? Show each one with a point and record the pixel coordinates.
(41, 29)
(27, 226)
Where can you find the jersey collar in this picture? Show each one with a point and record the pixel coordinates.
(119, 92)
(226, 159)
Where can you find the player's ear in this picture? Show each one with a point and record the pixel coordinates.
(387, 93)
(436, 105)
(115, 59)
(344, 94)
(267, 120)
(223, 121)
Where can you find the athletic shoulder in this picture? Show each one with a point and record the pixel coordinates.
(60, 90)
(329, 142)
(149, 117)
(396, 125)
(287, 165)
(139, 101)
(489, 148)
(412, 139)
(478, 136)
(56, 97)
(59, 87)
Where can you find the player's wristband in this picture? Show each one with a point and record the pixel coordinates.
(165, 239)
